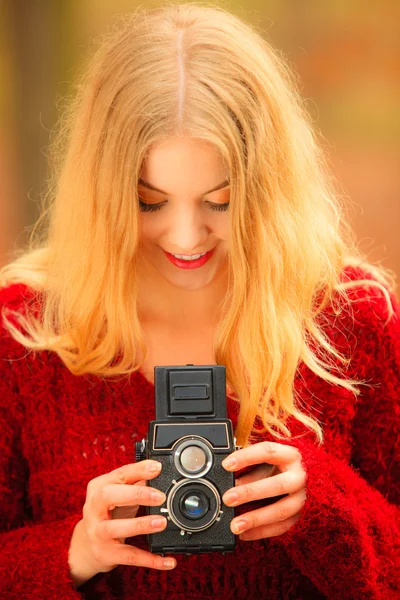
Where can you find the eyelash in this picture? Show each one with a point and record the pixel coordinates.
(153, 207)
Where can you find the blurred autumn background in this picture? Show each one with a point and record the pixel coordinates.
(346, 52)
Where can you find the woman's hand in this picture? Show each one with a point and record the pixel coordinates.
(103, 536)
(275, 519)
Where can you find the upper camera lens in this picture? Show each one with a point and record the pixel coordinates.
(193, 459)
(192, 456)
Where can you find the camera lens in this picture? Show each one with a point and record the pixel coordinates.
(194, 505)
(192, 456)
(193, 459)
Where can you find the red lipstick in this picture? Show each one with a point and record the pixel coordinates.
(190, 264)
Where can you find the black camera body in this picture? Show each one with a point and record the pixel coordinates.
(191, 436)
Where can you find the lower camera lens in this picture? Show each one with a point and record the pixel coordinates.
(194, 505)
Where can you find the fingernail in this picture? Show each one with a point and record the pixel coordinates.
(159, 522)
(229, 463)
(158, 496)
(169, 562)
(230, 498)
(154, 467)
(238, 526)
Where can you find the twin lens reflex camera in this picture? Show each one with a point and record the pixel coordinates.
(190, 437)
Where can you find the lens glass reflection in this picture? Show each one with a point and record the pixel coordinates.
(194, 505)
(193, 459)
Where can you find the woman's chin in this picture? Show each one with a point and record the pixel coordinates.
(187, 280)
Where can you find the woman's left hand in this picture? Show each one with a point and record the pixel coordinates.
(274, 519)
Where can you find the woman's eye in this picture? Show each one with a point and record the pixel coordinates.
(148, 207)
(144, 207)
(220, 206)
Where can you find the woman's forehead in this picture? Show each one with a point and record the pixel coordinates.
(182, 164)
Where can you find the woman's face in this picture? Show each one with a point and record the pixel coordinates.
(189, 217)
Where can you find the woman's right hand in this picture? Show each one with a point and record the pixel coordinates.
(103, 536)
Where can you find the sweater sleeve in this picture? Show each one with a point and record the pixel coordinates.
(33, 556)
(347, 540)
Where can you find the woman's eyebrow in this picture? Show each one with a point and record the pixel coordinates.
(152, 187)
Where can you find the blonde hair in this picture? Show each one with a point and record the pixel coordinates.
(193, 70)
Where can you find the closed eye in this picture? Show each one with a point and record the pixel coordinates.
(149, 207)
(220, 207)
(144, 207)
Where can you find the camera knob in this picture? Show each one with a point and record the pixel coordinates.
(235, 444)
(140, 450)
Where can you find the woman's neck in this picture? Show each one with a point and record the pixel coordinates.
(165, 305)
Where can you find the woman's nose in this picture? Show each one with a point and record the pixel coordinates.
(187, 230)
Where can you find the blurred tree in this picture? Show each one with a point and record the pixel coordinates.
(38, 35)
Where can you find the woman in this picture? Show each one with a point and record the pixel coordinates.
(187, 136)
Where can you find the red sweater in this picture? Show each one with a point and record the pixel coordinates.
(58, 431)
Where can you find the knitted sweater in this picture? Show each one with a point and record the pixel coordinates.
(58, 431)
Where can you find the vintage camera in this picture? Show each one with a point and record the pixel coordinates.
(191, 436)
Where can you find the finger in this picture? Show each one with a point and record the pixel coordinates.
(126, 512)
(124, 528)
(259, 472)
(263, 452)
(267, 531)
(124, 554)
(132, 472)
(273, 513)
(288, 482)
(112, 495)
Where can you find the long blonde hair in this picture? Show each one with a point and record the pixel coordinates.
(198, 71)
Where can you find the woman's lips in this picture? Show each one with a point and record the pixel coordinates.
(190, 264)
